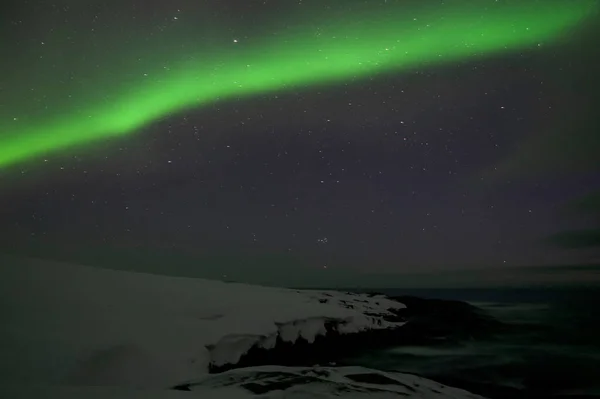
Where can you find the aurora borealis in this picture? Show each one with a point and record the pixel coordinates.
(281, 142)
(351, 46)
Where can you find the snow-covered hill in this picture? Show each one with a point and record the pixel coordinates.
(74, 331)
(65, 323)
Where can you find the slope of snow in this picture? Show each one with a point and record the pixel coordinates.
(77, 325)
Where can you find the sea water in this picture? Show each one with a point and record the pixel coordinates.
(553, 348)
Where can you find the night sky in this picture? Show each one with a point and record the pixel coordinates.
(296, 141)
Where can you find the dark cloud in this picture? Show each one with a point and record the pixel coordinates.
(589, 204)
(576, 239)
(588, 207)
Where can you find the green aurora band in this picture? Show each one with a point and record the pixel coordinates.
(353, 46)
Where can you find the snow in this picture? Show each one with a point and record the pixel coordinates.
(72, 325)
(326, 382)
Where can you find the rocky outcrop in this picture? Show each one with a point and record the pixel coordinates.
(431, 321)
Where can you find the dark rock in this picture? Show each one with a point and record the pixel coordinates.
(182, 387)
(377, 379)
(431, 321)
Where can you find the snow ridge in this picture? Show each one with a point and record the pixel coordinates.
(369, 313)
(230, 348)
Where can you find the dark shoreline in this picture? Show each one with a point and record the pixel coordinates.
(430, 323)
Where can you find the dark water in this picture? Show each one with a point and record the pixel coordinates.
(552, 348)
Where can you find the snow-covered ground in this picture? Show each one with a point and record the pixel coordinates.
(71, 331)
(74, 324)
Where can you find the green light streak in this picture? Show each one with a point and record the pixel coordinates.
(350, 47)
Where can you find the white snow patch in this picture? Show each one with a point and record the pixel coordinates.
(328, 382)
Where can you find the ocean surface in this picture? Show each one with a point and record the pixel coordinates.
(552, 348)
